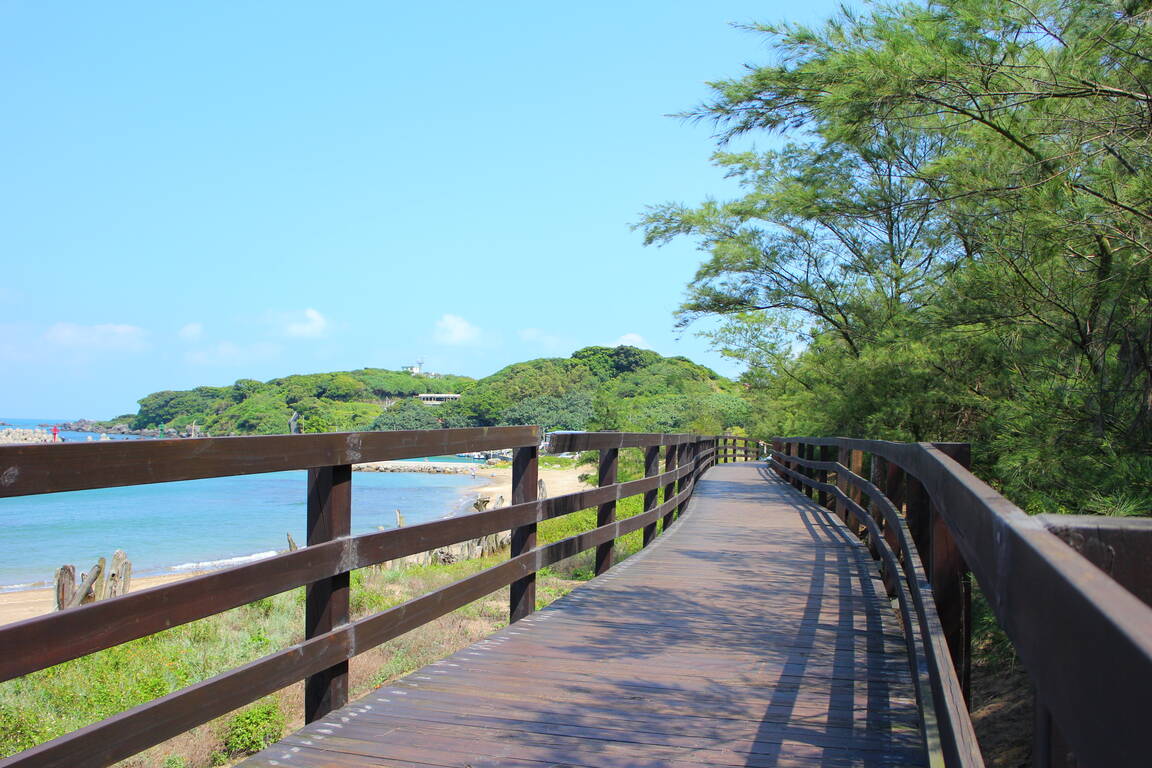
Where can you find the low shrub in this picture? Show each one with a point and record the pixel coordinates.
(254, 729)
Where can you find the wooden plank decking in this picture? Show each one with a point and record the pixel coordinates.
(754, 634)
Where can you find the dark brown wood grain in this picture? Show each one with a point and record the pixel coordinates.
(651, 469)
(606, 512)
(685, 482)
(326, 600)
(670, 456)
(525, 485)
(1119, 546)
(31, 469)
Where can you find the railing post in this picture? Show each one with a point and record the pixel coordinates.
(843, 458)
(894, 490)
(856, 465)
(822, 475)
(326, 601)
(919, 516)
(1049, 750)
(805, 452)
(951, 584)
(802, 453)
(875, 476)
(651, 467)
(797, 450)
(849, 459)
(810, 472)
(683, 482)
(609, 459)
(670, 454)
(525, 487)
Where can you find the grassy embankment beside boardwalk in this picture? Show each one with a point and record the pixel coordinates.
(55, 701)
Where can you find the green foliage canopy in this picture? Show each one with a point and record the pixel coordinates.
(957, 243)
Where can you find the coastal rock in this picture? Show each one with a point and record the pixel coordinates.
(427, 467)
(25, 436)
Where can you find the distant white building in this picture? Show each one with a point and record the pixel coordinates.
(412, 369)
(437, 399)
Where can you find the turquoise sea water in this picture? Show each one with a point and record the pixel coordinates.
(195, 524)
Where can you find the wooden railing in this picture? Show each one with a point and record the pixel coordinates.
(1084, 638)
(324, 566)
(730, 449)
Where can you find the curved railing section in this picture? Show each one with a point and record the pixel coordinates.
(1084, 639)
(324, 565)
(949, 739)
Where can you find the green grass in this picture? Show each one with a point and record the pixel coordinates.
(557, 462)
(60, 699)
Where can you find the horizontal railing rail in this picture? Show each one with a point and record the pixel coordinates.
(323, 567)
(1084, 640)
(49, 468)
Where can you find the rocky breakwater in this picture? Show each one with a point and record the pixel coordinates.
(121, 428)
(429, 467)
(13, 436)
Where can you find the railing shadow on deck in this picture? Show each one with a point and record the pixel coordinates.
(1085, 639)
(325, 564)
(628, 625)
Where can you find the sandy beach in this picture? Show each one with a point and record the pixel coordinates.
(17, 606)
(557, 482)
(492, 482)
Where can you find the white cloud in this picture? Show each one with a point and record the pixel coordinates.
(630, 340)
(455, 330)
(309, 324)
(105, 337)
(191, 331)
(230, 353)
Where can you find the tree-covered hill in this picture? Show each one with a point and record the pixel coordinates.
(599, 388)
(326, 402)
(596, 388)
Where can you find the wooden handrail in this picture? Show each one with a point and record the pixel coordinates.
(323, 566)
(1085, 641)
(49, 468)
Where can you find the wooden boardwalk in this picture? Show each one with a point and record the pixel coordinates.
(755, 633)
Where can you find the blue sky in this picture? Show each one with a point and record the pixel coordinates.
(195, 193)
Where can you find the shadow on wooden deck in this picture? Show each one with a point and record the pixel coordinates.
(754, 634)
